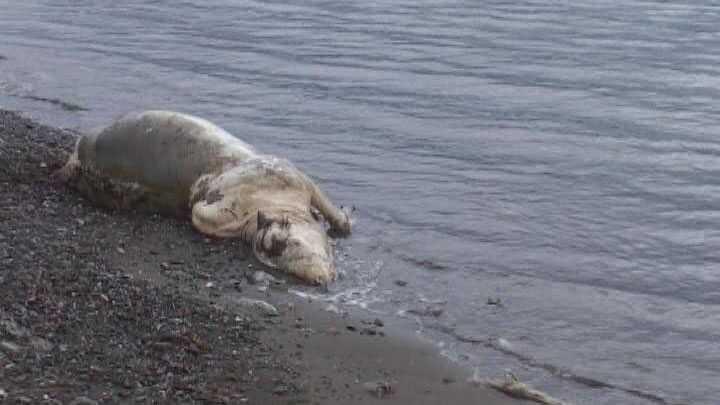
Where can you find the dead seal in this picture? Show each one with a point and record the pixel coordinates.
(179, 164)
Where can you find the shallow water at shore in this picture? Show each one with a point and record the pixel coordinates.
(540, 174)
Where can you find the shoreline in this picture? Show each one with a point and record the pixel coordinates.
(108, 307)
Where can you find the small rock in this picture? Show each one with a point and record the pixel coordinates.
(368, 331)
(351, 328)
(120, 250)
(281, 389)
(378, 322)
(11, 327)
(433, 311)
(209, 284)
(24, 400)
(260, 277)
(83, 401)
(379, 389)
(401, 283)
(436, 312)
(494, 301)
(40, 344)
(235, 283)
(3, 394)
(9, 346)
(261, 306)
(165, 265)
(279, 285)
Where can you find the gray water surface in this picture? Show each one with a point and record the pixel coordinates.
(562, 157)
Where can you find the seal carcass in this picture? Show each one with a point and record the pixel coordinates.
(177, 163)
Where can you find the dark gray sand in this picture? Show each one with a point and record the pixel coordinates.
(124, 307)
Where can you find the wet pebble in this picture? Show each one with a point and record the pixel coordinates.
(40, 344)
(83, 401)
(401, 283)
(51, 401)
(494, 301)
(281, 389)
(433, 311)
(11, 328)
(261, 278)
(368, 331)
(9, 347)
(235, 283)
(258, 305)
(379, 389)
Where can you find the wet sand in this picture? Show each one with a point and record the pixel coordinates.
(125, 307)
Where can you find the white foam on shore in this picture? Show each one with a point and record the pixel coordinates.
(361, 292)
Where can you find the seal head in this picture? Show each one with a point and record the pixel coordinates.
(301, 248)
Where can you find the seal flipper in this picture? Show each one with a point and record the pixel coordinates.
(339, 220)
(216, 219)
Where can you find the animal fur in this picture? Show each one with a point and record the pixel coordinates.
(179, 164)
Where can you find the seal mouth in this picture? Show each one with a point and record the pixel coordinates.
(263, 257)
(312, 268)
(301, 249)
(315, 269)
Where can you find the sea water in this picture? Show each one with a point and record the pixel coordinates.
(537, 183)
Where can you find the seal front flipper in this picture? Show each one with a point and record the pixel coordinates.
(219, 220)
(339, 220)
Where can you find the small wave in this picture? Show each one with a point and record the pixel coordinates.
(423, 263)
(65, 105)
(501, 345)
(355, 292)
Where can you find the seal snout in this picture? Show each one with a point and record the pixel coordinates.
(302, 249)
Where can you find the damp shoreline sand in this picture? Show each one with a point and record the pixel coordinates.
(118, 307)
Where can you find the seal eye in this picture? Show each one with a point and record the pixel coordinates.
(263, 221)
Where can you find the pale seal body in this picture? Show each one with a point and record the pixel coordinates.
(176, 163)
